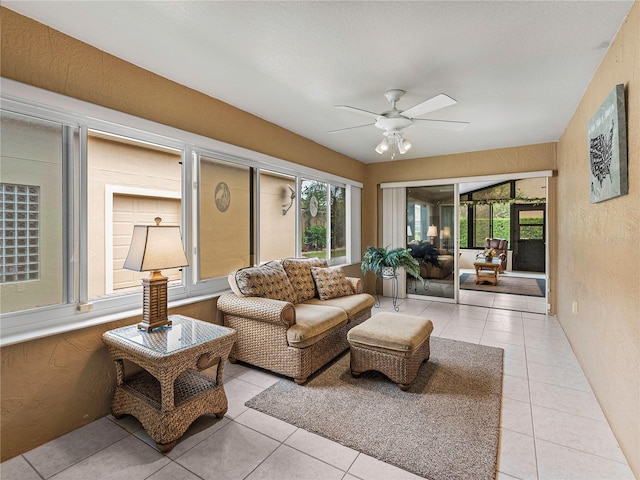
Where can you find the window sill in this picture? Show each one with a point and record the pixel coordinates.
(31, 333)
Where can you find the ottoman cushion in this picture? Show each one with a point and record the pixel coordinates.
(391, 331)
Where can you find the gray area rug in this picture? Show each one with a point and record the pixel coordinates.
(532, 287)
(445, 427)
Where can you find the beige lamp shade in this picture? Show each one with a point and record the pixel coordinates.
(155, 248)
(432, 231)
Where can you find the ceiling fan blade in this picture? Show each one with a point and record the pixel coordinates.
(431, 105)
(358, 110)
(350, 128)
(443, 124)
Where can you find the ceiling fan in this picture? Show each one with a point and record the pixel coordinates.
(394, 121)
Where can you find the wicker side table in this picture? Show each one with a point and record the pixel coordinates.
(491, 277)
(171, 392)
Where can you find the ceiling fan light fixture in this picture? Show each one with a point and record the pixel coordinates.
(394, 121)
(404, 146)
(383, 146)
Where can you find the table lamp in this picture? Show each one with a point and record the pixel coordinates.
(432, 232)
(446, 233)
(155, 247)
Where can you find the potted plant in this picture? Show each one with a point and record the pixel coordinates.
(384, 262)
(489, 253)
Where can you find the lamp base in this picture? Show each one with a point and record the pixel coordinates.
(149, 327)
(154, 308)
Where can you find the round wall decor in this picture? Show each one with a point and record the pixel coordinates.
(222, 196)
(313, 206)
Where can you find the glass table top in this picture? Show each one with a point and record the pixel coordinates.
(184, 332)
(481, 260)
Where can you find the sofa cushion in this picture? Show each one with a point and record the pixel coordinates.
(351, 304)
(268, 281)
(299, 273)
(313, 323)
(331, 282)
(445, 260)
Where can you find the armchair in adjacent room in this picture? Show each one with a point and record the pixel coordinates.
(500, 246)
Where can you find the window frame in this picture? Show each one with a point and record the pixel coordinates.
(471, 205)
(77, 118)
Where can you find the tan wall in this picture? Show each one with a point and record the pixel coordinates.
(526, 158)
(56, 384)
(598, 250)
(38, 55)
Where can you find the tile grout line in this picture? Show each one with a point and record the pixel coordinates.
(32, 467)
(533, 427)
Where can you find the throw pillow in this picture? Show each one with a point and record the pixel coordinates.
(331, 283)
(299, 273)
(268, 281)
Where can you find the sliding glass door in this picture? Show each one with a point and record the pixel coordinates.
(445, 224)
(431, 233)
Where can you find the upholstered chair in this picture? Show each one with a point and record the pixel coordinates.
(500, 246)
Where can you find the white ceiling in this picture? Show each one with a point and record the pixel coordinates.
(518, 69)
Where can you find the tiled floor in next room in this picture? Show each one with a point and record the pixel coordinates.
(552, 426)
(505, 301)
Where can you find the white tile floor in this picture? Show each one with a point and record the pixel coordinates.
(552, 425)
(503, 301)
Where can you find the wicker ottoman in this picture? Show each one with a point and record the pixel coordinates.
(393, 344)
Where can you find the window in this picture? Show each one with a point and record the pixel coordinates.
(486, 212)
(464, 226)
(323, 223)
(72, 186)
(420, 212)
(501, 220)
(531, 225)
(225, 218)
(338, 252)
(431, 232)
(277, 216)
(130, 183)
(481, 224)
(20, 208)
(314, 218)
(31, 174)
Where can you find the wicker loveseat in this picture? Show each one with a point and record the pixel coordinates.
(292, 316)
